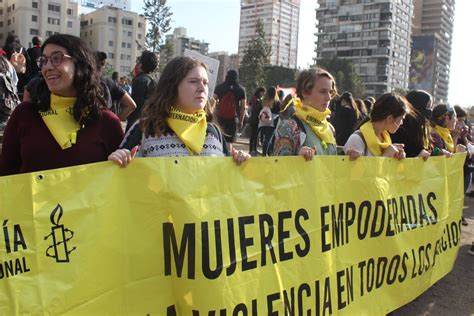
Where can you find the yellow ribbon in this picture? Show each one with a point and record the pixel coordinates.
(373, 142)
(190, 128)
(317, 120)
(445, 134)
(60, 121)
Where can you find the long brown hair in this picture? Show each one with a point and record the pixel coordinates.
(158, 105)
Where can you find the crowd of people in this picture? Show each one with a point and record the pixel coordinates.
(71, 114)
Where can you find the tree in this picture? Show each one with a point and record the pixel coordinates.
(252, 68)
(279, 76)
(166, 54)
(158, 14)
(344, 74)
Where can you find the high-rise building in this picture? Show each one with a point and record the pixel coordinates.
(118, 33)
(373, 34)
(280, 23)
(95, 4)
(38, 18)
(181, 42)
(431, 48)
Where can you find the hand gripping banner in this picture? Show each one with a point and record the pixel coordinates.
(201, 236)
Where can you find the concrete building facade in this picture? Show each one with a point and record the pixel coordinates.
(95, 4)
(226, 63)
(38, 18)
(373, 34)
(280, 20)
(181, 42)
(431, 50)
(118, 33)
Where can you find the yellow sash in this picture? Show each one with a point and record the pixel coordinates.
(60, 121)
(373, 142)
(316, 120)
(190, 128)
(445, 134)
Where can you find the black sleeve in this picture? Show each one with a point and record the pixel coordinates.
(140, 90)
(116, 91)
(132, 138)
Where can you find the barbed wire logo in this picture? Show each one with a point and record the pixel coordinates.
(60, 240)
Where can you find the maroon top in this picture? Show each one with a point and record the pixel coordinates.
(29, 146)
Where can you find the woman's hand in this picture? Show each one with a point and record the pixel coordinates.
(239, 156)
(307, 152)
(353, 154)
(123, 157)
(396, 151)
(425, 154)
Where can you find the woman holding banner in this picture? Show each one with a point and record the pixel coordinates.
(176, 118)
(66, 123)
(373, 137)
(304, 129)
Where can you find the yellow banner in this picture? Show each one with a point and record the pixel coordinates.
(201, 236)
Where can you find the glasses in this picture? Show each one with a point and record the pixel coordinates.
(56, 59)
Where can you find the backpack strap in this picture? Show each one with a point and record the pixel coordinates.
(359, 133)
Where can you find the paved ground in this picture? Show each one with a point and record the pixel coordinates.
(452, 295)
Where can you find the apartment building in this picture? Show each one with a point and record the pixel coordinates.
(431, 48)
(95, 4)
(373, 34)
(38, 18)
(181, 42)
(280, 20)
(226, 63)
(118, 33)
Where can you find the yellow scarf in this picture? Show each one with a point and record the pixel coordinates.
(316, 120)
(445, 134)
(60, 121)
(190, 128)
(373, 142)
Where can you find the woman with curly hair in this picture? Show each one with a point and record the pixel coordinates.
(176, 120)
(66, 123)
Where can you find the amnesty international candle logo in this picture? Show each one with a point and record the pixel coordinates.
(59, 248)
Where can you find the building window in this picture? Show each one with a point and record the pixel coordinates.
(34, 18)
(49, 33)
(127, 21)
(84, 23)
(13, 7)
(90, 32)
(54, 7)
(124, 44)
(9, 9)
(122, 56)
(110, 56)
(9, 22)
(34, 32)
(139, 25)
(92, 21)
(129, 34)
(112, 19)
(129, 45)
(70, 11)
(69, 23)
(54, 21)
(34, 4)
(111, 43)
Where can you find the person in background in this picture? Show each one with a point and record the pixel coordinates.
(255, 106)
(230, 88)
(373, 137)
(443, 122)
(369, 103)
(266, 118)
(67, 122)
(176, 120)
(8, 87)
(345, 119)
(34, 53)
(124, 84)
(303, 128)
(118, 100)
(362, 109)
(414, 134)
(13, 47)
(143, 84)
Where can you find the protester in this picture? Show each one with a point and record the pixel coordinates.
(143, 84)
(176, 118)
(255, 106)
(8, 86)
(66, 123)
(414, 134)
(443, 121)
(345, 118)
(34, 53)
(118, 100)
(373, 137)
(231, 105)
(303, 128)
(362, 109)
(13, 47)
(124, 84)
(266, 118)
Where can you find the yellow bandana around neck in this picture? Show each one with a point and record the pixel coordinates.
(317, 120)
(374, 144)
(60, 121)
(445, 134)
(190, 128)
